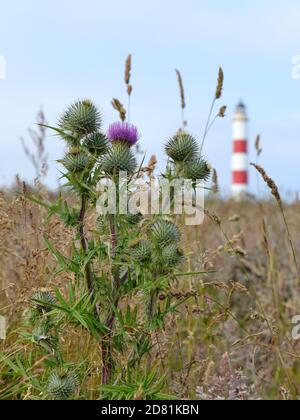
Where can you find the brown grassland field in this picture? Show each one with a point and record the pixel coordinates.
(232, 339)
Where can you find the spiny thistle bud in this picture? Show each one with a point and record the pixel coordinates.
(142, 251)
(181, 147)
(81, 118)
(42, 300)
(124, 133)
(134, 219)
(119, 158)
(165, 233)
(171, 256)
(62, 386)
(197, 169)
(96, 143)
(76, 161)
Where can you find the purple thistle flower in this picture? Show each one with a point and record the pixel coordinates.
(122, 131)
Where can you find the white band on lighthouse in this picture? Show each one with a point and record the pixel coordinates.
(239, 161)
(239, 130)
(239, 186)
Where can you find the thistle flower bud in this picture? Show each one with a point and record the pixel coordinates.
(81, 118)
(171, 256)
(42, 300)
(165, 233)
(96, 143)
(62, 386)
(181, 147)
(134, 219)
(142, 251)
(76, 161)
(197, 170)
(119, 158)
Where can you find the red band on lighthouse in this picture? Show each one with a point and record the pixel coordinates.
(240, 177)
(240, 146)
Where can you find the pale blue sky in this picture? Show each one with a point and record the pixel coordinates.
(58, 51)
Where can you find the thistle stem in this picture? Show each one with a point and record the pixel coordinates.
(152, 304)
(84, 245)
(107, 359)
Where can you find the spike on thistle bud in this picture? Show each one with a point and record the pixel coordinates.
(197, 170)
(165, 233)
(142, 251)
(77, 161)
(119, 158)
(171, 255)
(96, 143)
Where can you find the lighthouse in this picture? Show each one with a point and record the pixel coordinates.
(239, 187)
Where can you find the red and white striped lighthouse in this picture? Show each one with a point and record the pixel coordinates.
(239, 187)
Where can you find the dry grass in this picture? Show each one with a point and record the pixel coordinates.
(236, 323)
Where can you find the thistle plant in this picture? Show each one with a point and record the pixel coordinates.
(118, 265)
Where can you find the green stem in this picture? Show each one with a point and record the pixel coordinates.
(107, 342)
(84, 245)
